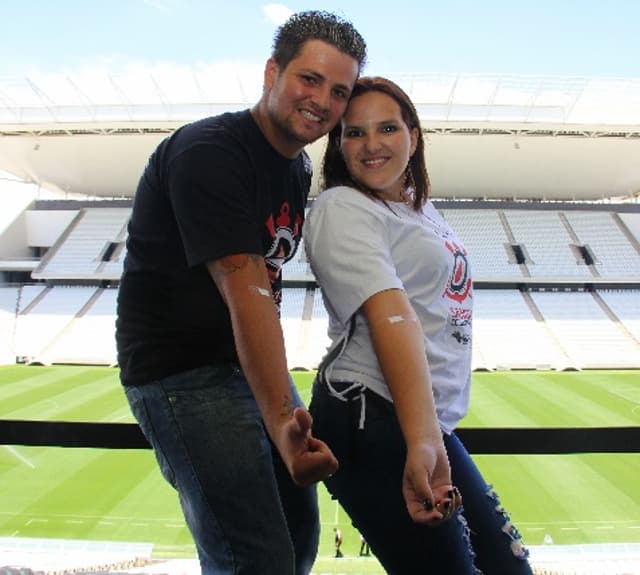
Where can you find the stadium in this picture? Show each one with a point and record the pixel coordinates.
(539, 176)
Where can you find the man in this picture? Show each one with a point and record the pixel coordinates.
(337, 541)
(218, 210)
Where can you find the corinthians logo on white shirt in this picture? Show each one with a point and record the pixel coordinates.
(459, 285)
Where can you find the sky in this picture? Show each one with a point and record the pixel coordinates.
(586, 38)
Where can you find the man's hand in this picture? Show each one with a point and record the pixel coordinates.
(308, 459)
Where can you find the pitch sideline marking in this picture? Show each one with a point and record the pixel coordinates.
(19, 457)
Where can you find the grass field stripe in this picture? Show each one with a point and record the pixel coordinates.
(65, 405)
(490, 404)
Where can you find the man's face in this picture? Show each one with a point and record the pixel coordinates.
(308, 97)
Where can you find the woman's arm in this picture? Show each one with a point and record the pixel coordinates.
(398, 341)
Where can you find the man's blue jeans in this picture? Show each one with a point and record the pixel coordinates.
(479, 538)
(245, 513)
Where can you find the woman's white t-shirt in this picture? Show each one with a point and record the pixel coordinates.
(357, 247)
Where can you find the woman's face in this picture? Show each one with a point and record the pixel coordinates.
(376, 144)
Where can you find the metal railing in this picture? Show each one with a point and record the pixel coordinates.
(499, 440)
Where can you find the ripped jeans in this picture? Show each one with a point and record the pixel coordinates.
(478, 539)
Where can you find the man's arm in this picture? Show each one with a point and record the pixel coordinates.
(244, 285)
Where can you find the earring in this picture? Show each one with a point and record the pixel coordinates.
(410, 185)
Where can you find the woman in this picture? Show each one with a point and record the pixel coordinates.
(397, 287)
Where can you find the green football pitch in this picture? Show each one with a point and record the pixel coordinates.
(119, 495)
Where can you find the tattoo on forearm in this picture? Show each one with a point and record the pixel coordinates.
(231, 264)
(287, 405)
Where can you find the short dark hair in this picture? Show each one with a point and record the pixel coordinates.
(334, 168)
(317, 25)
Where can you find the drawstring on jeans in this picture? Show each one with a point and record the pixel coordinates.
(344, 396)
(326, 367)
(352, 392)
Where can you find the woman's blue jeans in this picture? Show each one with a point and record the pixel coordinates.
(245, 513)
(479, 538)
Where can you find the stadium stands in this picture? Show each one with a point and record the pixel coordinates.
(487, 243)
(548, 245)
(317, 338)
(89, 249)
(509, 336)
(89, 336)
(292, 312)
(585, 332)
(626, 306)
(562, 278)
(63, 556)
(60, 557)
(613, 248)
(46, 318)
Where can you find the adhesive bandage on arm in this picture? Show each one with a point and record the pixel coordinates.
(260, 291)
(398, 318)
(394, 321)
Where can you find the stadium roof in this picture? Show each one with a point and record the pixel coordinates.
(487, 136)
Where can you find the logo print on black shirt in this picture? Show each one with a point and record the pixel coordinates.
(284, 235)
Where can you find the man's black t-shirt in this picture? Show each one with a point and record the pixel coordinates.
(215, 187)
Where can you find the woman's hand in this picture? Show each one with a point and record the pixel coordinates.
(426, 484)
